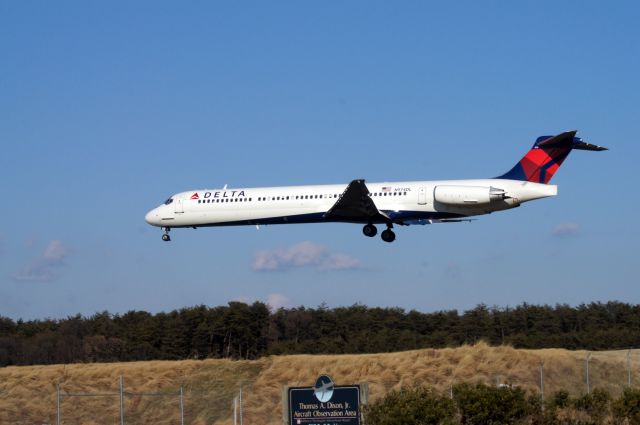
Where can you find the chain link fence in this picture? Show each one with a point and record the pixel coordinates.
(206, 401)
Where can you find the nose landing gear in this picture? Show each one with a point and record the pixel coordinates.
(166, 236)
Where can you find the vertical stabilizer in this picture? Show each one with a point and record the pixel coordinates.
(546, 156)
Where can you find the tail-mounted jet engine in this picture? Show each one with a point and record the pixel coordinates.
(468, 195)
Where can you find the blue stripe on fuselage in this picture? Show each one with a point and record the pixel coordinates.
(396, 217)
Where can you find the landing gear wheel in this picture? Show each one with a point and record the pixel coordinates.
(369, 230)
(388, 235)
(166, 236)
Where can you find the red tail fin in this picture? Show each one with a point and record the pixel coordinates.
(546, 156)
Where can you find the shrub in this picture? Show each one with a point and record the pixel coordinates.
(627, 407)
(482, 404)
(411, 406)
(596, 404)
(559, 400)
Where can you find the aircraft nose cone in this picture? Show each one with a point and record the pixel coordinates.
(151, 217)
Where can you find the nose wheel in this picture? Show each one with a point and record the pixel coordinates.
(166, 236)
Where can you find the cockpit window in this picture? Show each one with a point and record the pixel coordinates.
(168, 201)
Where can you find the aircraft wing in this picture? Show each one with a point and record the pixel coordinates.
(355, 204)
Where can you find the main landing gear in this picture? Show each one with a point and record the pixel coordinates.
(388, 235)
(369, 230)
(166, 236)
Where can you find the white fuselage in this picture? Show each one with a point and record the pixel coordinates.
(415, 202)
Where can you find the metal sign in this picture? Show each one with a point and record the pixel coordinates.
(324, 404)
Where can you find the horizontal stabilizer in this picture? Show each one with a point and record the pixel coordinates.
(584, 146)
(567, 139)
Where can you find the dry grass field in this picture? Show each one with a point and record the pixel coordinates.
(28, 394)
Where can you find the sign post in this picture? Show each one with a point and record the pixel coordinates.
(324, 404)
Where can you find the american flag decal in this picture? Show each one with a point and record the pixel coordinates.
(386, 189)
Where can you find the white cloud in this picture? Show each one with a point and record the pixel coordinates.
(277, 301)
(304, 254)
(45, 267)
(566, 230)
(274, 301)
(55, 252)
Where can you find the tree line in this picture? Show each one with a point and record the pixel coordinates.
(248, 331)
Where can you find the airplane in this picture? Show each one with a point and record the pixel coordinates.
(389, 204)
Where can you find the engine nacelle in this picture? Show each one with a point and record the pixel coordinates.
(467, 195)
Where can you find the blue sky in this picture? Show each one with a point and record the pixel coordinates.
(108, 108)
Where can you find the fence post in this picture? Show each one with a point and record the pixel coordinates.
(588, 386)
(235, 410)
(629, 368)
(542, 385)
(58, 403)
(121, 400)
(181, 406)
(241, 419)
